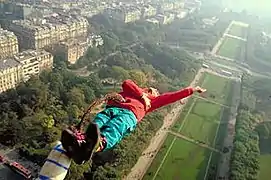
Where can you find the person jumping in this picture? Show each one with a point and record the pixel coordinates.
(120, 118)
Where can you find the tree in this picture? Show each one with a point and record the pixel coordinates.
(48, 122)
(76, 96)
(93, 54)
(73, 111)
(120, 73)
(76, 172)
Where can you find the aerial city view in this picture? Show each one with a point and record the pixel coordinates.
(135, 90)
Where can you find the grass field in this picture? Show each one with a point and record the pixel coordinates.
(185, 160)
(237, 30)
(265, 164)
(217, 88)
(232, 48)
(200, 120)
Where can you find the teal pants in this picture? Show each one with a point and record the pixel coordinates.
(115, 123)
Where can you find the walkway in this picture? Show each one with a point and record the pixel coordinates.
(195, 142)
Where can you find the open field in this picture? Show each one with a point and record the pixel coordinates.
(265, 163)
(194, 157)
(200, 121)
(218, 88)
(238, 30)
(265, 157)
(232, 48)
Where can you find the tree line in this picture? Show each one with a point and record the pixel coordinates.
(245, 157)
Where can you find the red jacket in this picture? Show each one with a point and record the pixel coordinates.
(132, 94)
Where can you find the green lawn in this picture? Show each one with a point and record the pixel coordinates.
(184, 161)
(232, 48)
(179, 159)
(217, 88)
(237, 30)
(202, 122)
(265, 164)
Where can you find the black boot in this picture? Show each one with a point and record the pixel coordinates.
(80, 150)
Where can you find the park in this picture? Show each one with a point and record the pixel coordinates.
(238, 30)
(232, 45)
(193, 145)
(232, 48)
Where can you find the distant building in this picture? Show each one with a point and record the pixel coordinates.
(148, 11)
(39, 33)
(210, 21)
(34, 62)
(22, 66)
(125, 14)
(178, 5)
(192, 4)
(181, 13)
(153, 20)
(165, 19)
(8, 44)
(15, 11)
(72, 50)
(165, 6)
(11, 74)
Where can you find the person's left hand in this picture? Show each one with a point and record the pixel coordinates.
(146, 100)
(120, 99)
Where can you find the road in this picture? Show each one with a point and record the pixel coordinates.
(238, 68)
(224, 164)
(143, 163)
(13, 155)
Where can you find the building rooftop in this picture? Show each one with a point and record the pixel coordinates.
(30, 54)
(49, 22)
(6, 35)
(8, 63)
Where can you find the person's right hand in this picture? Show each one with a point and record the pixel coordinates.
(199, 89)
(146, 100)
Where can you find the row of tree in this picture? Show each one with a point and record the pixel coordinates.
(245, 156)
(252, 128)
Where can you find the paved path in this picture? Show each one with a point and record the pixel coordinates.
(235, 37)
(194, 141)
(224, 164)
(211, 101)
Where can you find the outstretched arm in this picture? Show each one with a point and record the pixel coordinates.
(171, 97)
(132, 88)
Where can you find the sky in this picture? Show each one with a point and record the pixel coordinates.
(259, 7)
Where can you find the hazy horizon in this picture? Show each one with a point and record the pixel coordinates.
(257, 7)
